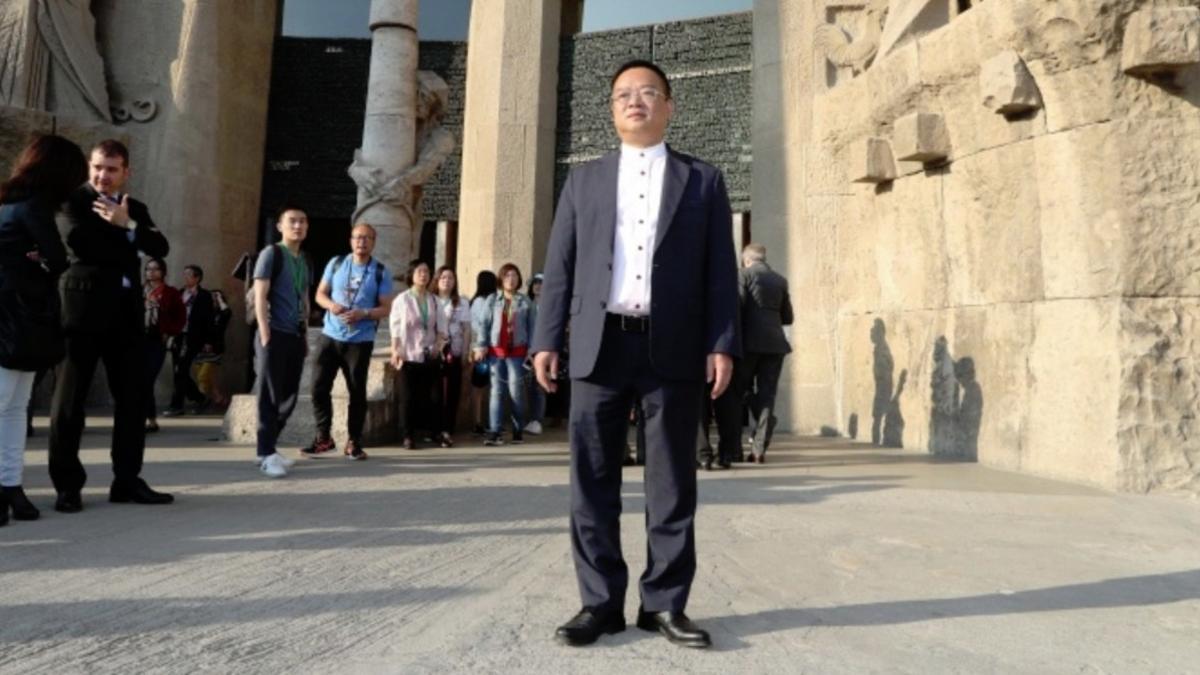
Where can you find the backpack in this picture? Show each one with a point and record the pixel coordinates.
(276, 269)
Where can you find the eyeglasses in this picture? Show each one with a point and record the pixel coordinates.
(362, 237)
(625, 97)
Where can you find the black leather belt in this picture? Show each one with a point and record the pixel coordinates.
(627, 323)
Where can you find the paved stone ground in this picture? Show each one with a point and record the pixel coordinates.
(833, 558)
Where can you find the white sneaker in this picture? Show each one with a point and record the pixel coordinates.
(287, 462)
(273, 466)
(534, 427)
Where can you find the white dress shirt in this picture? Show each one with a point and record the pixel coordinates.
(639, 194)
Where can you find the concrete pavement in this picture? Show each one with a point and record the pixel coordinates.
(833, 558)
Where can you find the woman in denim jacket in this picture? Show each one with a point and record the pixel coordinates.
(502, 334)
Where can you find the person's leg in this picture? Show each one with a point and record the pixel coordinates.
(356, 364)
(290, 366)
(124, 365)
(156, 354)
(496, 392)
(767, 383)
(450, 381)
(73, 378)
(326, 363)
(405, 416)
(516, 393)
(266, 386)
(434, 397)
(728, 412)
(16, 386)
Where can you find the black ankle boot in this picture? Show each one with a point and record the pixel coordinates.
(22, 508)
(3, 509)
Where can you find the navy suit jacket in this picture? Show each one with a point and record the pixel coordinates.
(693, 284)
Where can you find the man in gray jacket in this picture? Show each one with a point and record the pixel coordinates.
(766, 309)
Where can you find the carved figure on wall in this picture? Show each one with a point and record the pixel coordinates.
(857, 53)
(49, 59)
(883, 366)
(434, 144)
(944, 393)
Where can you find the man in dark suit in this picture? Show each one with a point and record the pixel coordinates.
(196, 338)
(104, 231)
(641, 263)
(766, 309)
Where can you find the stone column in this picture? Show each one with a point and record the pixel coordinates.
(389, 132)
(507, 199)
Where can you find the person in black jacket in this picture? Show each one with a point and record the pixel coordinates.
(31, 258)
(766, 309)
(105, 231)
(196, 339)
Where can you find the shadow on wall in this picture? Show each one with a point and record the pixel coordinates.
(957, 410)
(882, 366)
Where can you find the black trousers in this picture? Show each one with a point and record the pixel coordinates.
(599, 420)
(156, 353)
(121, 349)
(760, 381)
(279, 366)
(420, 403)
(449, 384)
(182, 356)
(726, 411)
(353, 359)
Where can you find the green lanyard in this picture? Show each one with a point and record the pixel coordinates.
(423, 307)
(296, 269)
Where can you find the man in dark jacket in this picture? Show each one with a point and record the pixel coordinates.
(641, 262)
(103, 316)
(766, 309)
(196, 338)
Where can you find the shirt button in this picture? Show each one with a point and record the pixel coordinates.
(640, 221)
(641, 196)
(637, 306)
(643, 173)
(639, 248)
(639, 277)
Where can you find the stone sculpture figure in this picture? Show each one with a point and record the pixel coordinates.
(858, 53)
(944, 393)
(49, 59)
(434, 145)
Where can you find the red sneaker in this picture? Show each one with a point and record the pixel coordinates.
(354, 453)
(320, 446)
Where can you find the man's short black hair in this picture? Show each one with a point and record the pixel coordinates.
(195, 269)
(285, 207)
(648, 65)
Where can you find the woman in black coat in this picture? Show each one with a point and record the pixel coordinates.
(32, 256)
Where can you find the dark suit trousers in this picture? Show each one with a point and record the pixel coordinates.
(121, 349)
(600, 407)
(353, 359)
(760, 380)
(182, 357)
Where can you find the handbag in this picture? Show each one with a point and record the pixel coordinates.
(31, 334)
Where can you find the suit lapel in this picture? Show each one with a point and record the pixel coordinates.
(674, 181)
(607, 194)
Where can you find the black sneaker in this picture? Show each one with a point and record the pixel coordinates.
(493, 440)
(319, 446)
(354, 452)
(517, 438)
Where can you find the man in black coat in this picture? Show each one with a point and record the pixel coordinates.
(103, 313)
(196, 338)
(766, 309)
(641, 263)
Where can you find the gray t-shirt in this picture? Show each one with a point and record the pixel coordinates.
(285, 299)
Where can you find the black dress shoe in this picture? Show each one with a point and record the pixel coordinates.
(588, 625)
(22, 508)
(138, 493)
(724, 464)
(675, 626)
(3, 510)
(68, 502)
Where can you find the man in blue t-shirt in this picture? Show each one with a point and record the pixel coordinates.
(281, 283)
(356, 292)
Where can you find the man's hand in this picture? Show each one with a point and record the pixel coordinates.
(351, 316)
(720, 371)
(397, 360)
(545, 367)
(478, 355)
(264, 335)
(115, 213)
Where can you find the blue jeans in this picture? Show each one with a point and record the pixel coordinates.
(508, 377)
(537, 401)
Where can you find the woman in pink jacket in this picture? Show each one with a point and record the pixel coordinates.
(419, 331)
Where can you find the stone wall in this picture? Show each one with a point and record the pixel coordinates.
(318, 98)
(709, 64)
(1031, 300)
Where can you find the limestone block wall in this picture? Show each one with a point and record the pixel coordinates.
(709, 62)
(1031, 302)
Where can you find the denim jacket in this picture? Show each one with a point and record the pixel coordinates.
(485, 324)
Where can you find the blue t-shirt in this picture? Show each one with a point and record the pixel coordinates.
(285, 298)
(352, 285)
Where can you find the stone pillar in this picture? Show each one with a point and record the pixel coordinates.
(389, 131)
(507, 199)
